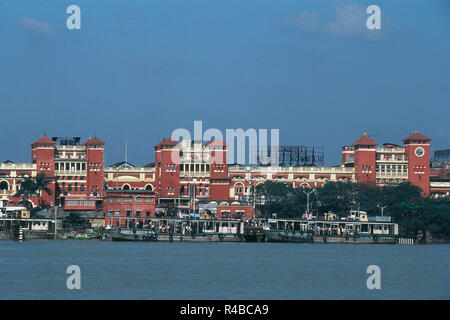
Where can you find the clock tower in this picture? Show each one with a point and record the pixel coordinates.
(417, 150)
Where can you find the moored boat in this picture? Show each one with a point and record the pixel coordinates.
(305, 237)
(376, 230)
(181, 230)
(148, 235)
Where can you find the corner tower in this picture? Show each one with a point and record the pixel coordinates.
(365, 159)
(417, 150)
(94, 171)
(167, 168)
(43, 155)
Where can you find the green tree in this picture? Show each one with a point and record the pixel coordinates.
(73, 220)
(42, 181)
(30, 186)
(437, 218)
(336, 197)
(282, 199)
(27, 189)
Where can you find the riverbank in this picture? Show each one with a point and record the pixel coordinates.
(99, 235)
(60, 235)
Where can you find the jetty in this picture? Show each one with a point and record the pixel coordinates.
(26, 228)
(258, 230)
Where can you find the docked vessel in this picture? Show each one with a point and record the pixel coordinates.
(182, 230)
(357, 229)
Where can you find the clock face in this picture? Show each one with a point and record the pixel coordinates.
(420, 151)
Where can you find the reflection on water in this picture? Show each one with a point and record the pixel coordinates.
(149, 270)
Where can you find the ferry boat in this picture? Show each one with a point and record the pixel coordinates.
(355, 229)
(181, 230)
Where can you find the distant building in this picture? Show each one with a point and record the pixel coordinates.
(440, 173)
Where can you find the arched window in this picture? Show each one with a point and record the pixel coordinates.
(238, 188)
(4, 185)
(126, 187)
(149, 187)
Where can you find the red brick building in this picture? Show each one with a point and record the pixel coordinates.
(194, 175)
(391, 163)
(75, 172)
(132, 204)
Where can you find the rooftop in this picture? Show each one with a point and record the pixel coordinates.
(45, 140)
(365, 140)
(94, 141)
(417, 136)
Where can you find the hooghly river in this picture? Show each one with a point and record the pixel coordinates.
(153, 270)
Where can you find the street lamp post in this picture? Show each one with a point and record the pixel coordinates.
(253, 192)
(307, 202)
(117, 178)
(56, 218)
(382, 208)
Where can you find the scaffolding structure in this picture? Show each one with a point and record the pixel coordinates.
(291, 155)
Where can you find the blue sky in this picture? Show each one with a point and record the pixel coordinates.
(144, 68)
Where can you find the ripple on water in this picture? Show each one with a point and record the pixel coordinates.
(138, 270)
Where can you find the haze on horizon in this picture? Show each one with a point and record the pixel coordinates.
(144, 68)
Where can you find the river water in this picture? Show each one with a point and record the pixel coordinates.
(153, 270)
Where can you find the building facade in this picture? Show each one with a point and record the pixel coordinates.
(194, 175)
(391, 163)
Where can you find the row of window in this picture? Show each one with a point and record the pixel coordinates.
(45, 145)
(75, 187)
(138, 213)
(76, 166)
(130, 199)
(70, 178)
(69, 187)
(391, 180)
(70, 156)
(198, 191)
(392, 168)
(86, 203)
(194, 179)
(397, 157)
(171, 168)
(198, 167)
(70, 166)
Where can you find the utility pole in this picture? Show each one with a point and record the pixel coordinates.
(252, 189)
(134, 211)
(382, 208)
(117, 178)
(126, 149)
(56, 217)
(189, 192)
(195, 194)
